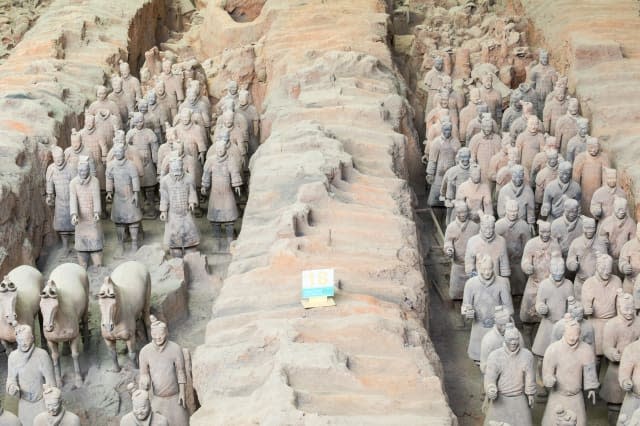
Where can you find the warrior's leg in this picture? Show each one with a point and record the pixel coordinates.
(175, 252)
(217, 234)
(96, 258)
(64, 236)
(133, 230)
(149, 195)
(542, 390)
(83, 259)
(120, 229)
(230, 233)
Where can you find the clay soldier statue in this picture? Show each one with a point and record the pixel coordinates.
(543, 77)
(540, 160)
(130, 84)
(107, 125)
(568, 368)
(8, 419)
(454, 177)
(28, 368)
(178, 200)
(503, 177)
(441, 112)
(555, 108)
(516, 233)
(442, 157)
(232, 96)
(491, 97)
(252, 117)
(629, 263)
(588, 171)
(58, 177)
(158, 114)
(557, 191)
(163, 373)
(142, 413)
(172, 78)
(456, 236)
(126, 104)
(222, 176)
(519, 125)
(487, 242)
(546, 175)
(56, 413)
(567, 228)
(495, 337)
(582, 255)
(76, 150)
(578, 143)
(475, 125)
(599, 294)
(476, 194)
(551, 304)
(145, 142)
(199, 109)
(530, 142)
(191, 135)
(483, 146)
(527, 94)
(238, 136)
(104, 103)
(469, 112)
(523, 194)
(575, 312)
(629, 378)
(123, 189)
(514, 111)
(96, 145)
(433, 82)
(166, 102)
(616, 230)
(499, 159)
(482, 293)
(131, 153)
(567, 125)
(509, 381)
(535, 264)
(85, 207)
(602, 200)
(190, 164)
(618, 333)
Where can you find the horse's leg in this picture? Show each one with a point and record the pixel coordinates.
(55, 357)
(7, 347)
(76, 362)
(111, 345)
(43, 342)
(131, 347)
(86, 333)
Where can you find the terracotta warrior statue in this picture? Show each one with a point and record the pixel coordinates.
(469, 112)
(56, 414)
(97, 146)
(618, 333)
(482, 293)
(250, 113)
(163, 374)
(123, 190)
(85, 207)
(582, 255)
(567, 125)
(535, 263)
(28, 368)
(575, 312)
(522, 193)
(499, 160)
(528, 94)
(540, 160)
(546, 175)
(509, 381)
(487, 242)
(178, 200)
(629, 379)
(58, 177)
(578, 143)
(530, 142)
(520, 124)
(238, 136)
(107, 125)
(514, 111)
(191, 135)
(104, 103)
(616, 230)
(556, 106)
(588, 171)
(165, 101)
(557, 191)
(142, 414)
(442, 155)
(76, 150)
(456, 236)
(157, 113)
(491, 97)
(130, 84)
(145, 141)
(503, 177)
(475, 125)
(223, 178)
(198, 106)
(476, 194)
(568, 369)
(629, 263)
(543, 77)
(433, 82)
(7, 418)
(599, 294)
(603, 198)
(454, 177)
(483, 146)
(567, 228)
(172, 77)
(516, 232)
(495, 337)
(126, 104)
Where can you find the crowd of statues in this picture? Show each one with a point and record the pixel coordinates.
(564, 247)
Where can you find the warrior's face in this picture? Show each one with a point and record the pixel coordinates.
(159, 336)
(512, 342)
(83, 170)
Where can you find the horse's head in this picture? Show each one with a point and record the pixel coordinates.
(49, 305)
(8, 298)
(108, 304)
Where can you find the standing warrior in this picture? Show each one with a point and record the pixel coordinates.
(588, 172)
(85, 207)
(555, 107)
(523, 194)
(438, 114)
(482, 293)
(509, 381)
(569, 367)
(629, 264)
(145, 142)
(540, 160)
(491, 97)
(558, 191)
(55, 415)
(567, 125)
(575, 311)
(142, 415)
(578, 143)
(178, 200)
(603, 198)
(433, 82)
(513, 112)
(7, 418)
(191, 135)
(516, 233)
(530, 142)
(58, 177)
(527, 94)
(76, 150)
(543, 78)
(123, 189)
(499, 160)
(483, 146)
(616, 230)
(469, 112)
(252, 117)
(442, 157)
(28, 368)
(163, 374)
(126, 104)
(454, 177)
(546, 175)
(104, 103)
(495, 338)
(458, 233)
(172, 77)
(567, 228)
(489, 243)
(476, 194)
(583, 253)
(519, 125)
(475, 125)
(165, 102)
(130, 84)
(503, 176)
(97, 147)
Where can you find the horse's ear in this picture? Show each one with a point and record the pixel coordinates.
(51, 283)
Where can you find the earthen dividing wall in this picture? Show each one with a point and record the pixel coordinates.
(328, 190)
(44, 86)
(597, 44)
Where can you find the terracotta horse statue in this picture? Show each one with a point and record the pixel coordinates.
(19, 298)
